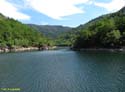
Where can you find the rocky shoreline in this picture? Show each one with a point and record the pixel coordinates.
(21, 49)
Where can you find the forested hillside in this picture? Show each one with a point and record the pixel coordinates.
(14, 33)
(107, 31)
(50, 31)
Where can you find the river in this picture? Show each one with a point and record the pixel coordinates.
(63, 71)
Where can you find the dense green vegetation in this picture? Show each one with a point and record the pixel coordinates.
(14, 33)
(60, 35)
(67, 38)
(107, 31)
(50, 31)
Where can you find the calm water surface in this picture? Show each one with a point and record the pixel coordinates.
(63, 71)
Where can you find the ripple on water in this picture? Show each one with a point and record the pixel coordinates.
(63, 71)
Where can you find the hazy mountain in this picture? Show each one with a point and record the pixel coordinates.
(50, 31)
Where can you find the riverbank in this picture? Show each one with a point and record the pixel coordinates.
(21, 49)
(101, 49)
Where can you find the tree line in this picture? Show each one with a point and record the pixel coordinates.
(104, 32)
(14, 33)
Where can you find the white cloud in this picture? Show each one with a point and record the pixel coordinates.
(8, 9)
(56, 9)
(114, 5)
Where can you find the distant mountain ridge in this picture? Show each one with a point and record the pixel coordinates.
(49, 30)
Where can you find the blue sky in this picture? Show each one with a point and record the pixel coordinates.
(58, 12)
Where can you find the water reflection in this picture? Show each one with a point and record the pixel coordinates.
(63, 71)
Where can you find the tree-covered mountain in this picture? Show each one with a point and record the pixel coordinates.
(122, 10)
(107, 31)
(14, 33)
(50, 31)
